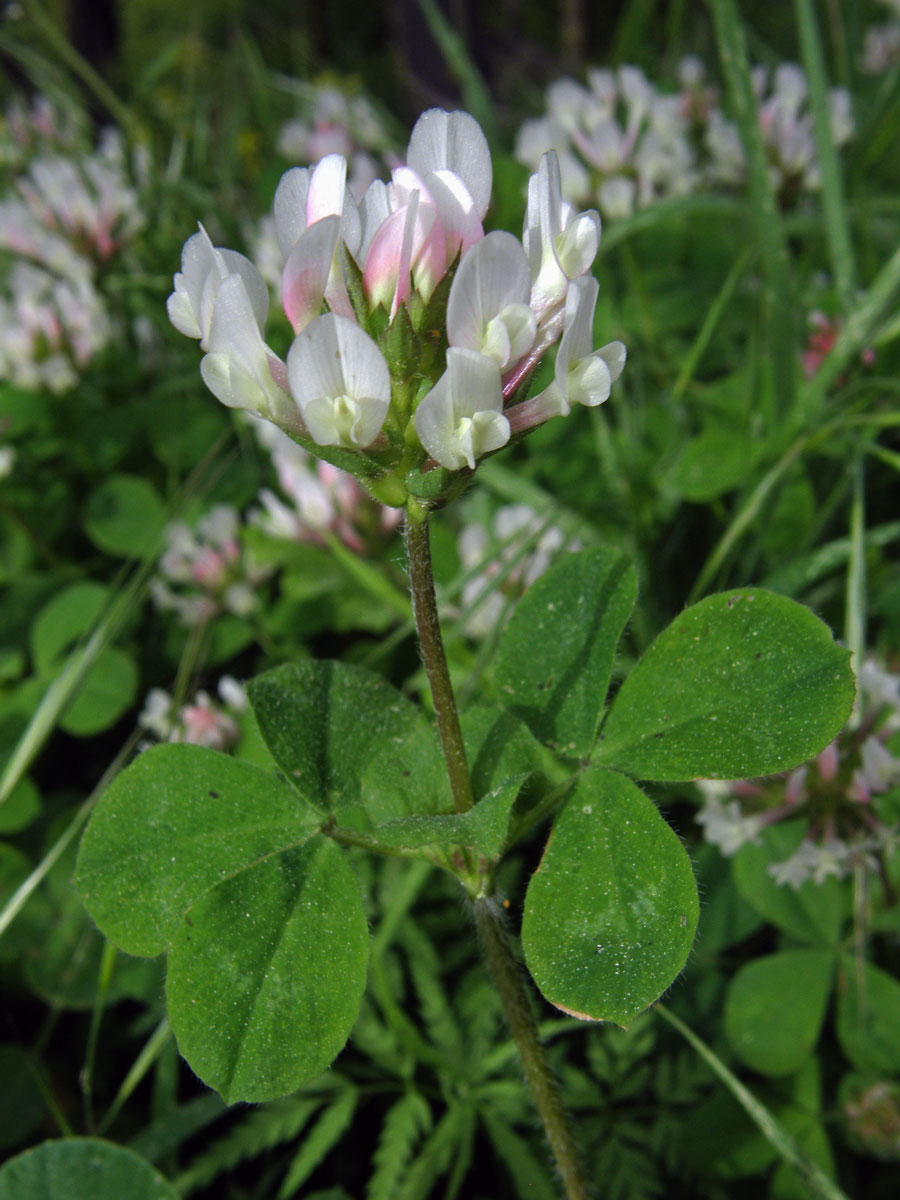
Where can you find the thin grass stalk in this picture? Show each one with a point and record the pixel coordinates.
(777, 290)
(773, 1131)
(837, 225)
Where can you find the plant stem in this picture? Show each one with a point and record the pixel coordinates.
(421, 579)
(489, 919)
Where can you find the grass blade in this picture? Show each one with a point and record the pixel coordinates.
(774, 1132)
(764, 206)
(837, 227)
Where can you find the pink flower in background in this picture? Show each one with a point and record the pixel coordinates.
(836, 792)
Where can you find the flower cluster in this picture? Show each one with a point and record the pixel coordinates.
(65, 213)
(881, 45)
(432, 330)
(502, 561)
(624, 144)
(321, 499)
(205, 570)
(203, 722)
(820, 340)
(786, 123)
(621, 143)
(26, 128)
(838, 793)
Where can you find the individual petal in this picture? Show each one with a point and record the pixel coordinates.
(461, 418)
(328, 195)
(576, 247)
(325, 195)
(410, 240)
(307, 271)
(488, 308)
(578, 331)
(453, 141)
(374, 211)
(340, 382)
(238, 367)
(290, 207)
(456, 211)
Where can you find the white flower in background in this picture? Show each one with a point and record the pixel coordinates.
(725, 825)
(837, 792)
(204, 569)
(321, 498)
(620, 143)
(7, 460)
(502, 560)
(786, 123)
(68, 209)
(335, 122)
(50, 328)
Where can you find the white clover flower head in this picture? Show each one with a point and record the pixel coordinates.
(393, 374)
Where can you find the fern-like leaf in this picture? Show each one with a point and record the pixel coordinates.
(324, 1134)
(434, 1005)
(404, 1124)
(530, 1176)
(265, 1127)
(436, 1156)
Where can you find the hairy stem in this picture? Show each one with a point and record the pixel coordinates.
(490, 920)
(421, 580)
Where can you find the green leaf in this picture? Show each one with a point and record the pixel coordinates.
(177, 821)
(23, 1108)
(105, 694)
(81, 1169)
(811, 913)
(611, 911)
(71, 614)
(868, 1018)
(555, 658)
(714, 462)
(498, 746)
(124, 516)
(20, 808)
(743, 683)
(766, 1025)
(267, 972)
(326, 723)
(483, 827)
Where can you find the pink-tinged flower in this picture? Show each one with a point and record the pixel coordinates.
(204, 722)
(204, 570)
(461, 418)
(204, 269)
(321, 499)
(340, 382)
(582, 375)
(306, 195)
(435, 204)
(488, 308)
